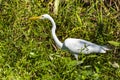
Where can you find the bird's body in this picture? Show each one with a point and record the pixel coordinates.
(75, 46)
(82, 46)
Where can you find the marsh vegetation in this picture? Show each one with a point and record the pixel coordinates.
(27, 50)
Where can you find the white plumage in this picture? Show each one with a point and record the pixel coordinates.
(75, 46)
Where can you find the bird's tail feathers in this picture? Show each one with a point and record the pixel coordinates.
(105, 48)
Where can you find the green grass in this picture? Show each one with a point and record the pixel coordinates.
(27, 50)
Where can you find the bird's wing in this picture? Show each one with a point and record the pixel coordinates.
(80, 45)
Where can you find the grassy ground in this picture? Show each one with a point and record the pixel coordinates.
(27, 50)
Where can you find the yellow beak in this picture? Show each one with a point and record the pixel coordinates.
(35, 18)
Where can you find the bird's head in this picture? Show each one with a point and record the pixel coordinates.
(44, 16)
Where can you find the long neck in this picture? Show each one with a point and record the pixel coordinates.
(59, 43)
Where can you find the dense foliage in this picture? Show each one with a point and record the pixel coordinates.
(27, 50)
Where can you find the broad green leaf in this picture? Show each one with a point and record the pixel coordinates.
(114, 43)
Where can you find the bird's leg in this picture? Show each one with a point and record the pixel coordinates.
(76, 56)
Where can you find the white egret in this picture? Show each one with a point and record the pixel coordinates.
(75, 46)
